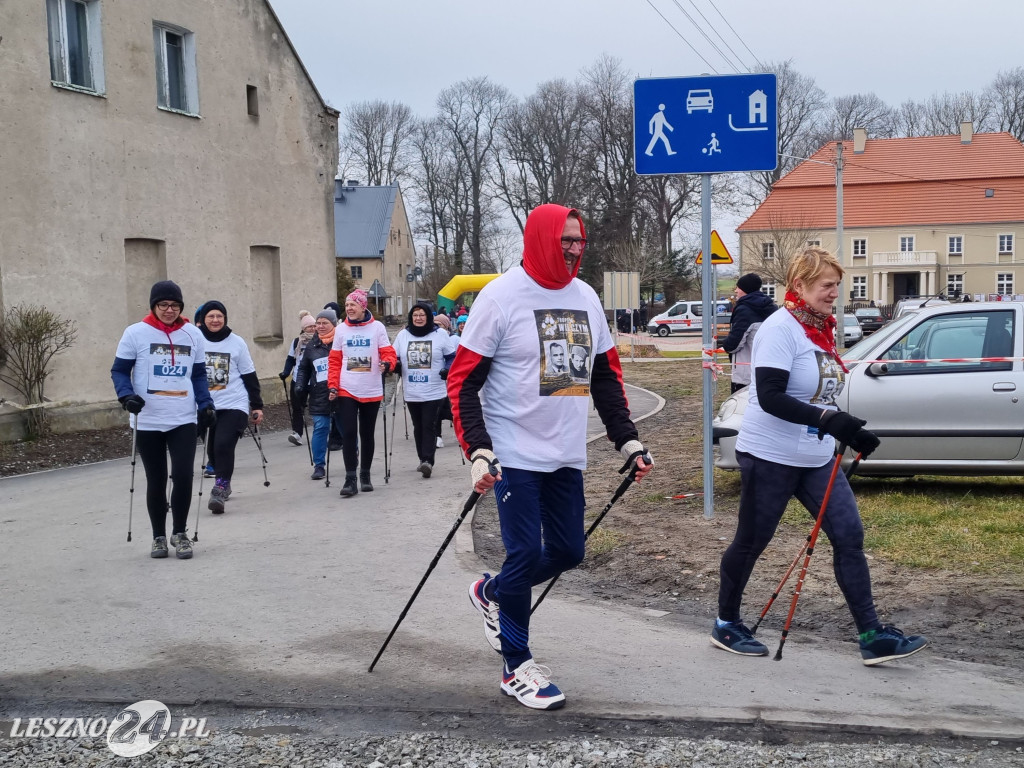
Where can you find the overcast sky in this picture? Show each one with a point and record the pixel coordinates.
(409, 50)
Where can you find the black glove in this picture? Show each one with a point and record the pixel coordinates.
(443, 373)
(282, 375)
(398, 368)
(385, 368)
(207, 417)
(850, 430)
(132, 403)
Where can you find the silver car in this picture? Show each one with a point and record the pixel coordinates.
(852, 332)
(941, 386)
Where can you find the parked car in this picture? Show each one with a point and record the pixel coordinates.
(940, 386)
(870, 319)
(852, 332)
(909, 304)
(686, 316)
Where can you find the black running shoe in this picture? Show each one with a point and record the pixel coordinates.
(736, 638)
(889, 644)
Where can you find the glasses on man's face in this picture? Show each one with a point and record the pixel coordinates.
(569, 242)
(163, 306)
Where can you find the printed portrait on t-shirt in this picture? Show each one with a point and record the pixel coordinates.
(579, 363)
(359, 363)
(218, 366)
(559, 331)
(831, 380)
(169, 369)
(419, 354)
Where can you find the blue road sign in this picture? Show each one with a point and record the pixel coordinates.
(706, 124)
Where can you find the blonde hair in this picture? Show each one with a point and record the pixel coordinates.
(809, 264)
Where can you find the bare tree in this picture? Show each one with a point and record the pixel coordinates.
(859, 110)
(908, 119)
(1006, 94)
(800, 106)
(471, 112)
(770, 251)
(377, 136)
(440, 189)
(944, 112)
(542, 153)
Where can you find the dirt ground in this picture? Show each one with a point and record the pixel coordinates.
(661, 553)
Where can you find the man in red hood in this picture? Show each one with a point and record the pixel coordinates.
(510, 401)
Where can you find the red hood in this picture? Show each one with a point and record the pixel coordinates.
(542, 245)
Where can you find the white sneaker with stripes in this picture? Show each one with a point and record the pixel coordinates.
(530, 682)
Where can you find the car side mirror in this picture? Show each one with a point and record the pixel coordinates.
(878, 369)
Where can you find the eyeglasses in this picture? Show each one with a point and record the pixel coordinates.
(569, 242)
(163, 306)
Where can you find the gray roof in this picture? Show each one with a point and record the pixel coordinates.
(362, 219)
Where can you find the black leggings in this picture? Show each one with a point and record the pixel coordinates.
(297, 401)
(424, 427)
(222, 441)
(153, 448)
(358, 421)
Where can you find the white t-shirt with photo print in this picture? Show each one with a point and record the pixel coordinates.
(226, 361)
(534, 409)
(422, 359)
(815, 377)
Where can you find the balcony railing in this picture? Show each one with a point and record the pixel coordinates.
(905, 258)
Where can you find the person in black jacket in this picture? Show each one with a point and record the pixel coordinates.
(311, 383)
(752, 308)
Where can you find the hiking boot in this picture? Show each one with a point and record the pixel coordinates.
(183, 547)
(349, 488)
(159, 547)
(888, 644)
(425, 468)
(530, 682)
(318, 472)
(295, 438)
(736, 638)
(209, 471)
(439, 442)
(175, 538)
(489, 610)
(218, 495)
(364, 482)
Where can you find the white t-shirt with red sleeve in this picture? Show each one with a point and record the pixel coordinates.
(360, 347)
(534, 402)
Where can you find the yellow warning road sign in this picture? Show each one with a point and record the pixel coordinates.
(719, 253)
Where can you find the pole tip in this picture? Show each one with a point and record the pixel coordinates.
(129, 536)
(778, 654)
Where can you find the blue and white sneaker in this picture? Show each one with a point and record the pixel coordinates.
(889, 644)
(489, 610)
(530, 682)
(208, 471)
(736, 638)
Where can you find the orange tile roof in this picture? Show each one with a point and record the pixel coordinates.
(923, 180)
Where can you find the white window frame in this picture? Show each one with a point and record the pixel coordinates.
(859, 286)
(57, 28)
(768, 288)
(189, 76)
(1004, 283)
(912, 239)
(863, 242)
(954, 283)
(768, 250)
(959, 245)
(1000, 247)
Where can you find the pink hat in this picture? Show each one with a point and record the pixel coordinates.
(358, 296)
(307, 321)
(443, 321)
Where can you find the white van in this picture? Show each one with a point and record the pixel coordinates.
(685, 316)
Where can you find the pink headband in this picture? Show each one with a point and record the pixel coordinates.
(358, 296)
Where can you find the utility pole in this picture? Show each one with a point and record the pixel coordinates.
(840, 315)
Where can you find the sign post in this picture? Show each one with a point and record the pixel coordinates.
(705, 125)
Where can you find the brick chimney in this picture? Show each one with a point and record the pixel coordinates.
(966, 132)
(860, 138)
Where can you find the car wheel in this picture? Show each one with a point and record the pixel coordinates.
(663, 330)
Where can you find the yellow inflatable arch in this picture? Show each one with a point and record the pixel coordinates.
(459, 285)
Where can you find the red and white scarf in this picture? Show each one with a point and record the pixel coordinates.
(820, 328)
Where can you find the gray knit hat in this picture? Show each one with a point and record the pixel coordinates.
(330, 314)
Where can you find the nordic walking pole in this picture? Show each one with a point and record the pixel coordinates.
(327, 474)
(202, 473)
(470, 503)
(626, 482)
(387, 467)
(811, 541)
(792, 566)
(259, 446)
(394, 407)
(131, 488)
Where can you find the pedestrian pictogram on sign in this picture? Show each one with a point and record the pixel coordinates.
(719, 253)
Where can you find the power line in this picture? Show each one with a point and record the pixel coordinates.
(712, 2)
(724, 42)
(710, 66)
(705, 35)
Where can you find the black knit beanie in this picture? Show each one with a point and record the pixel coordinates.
(211, 305)
(165, 290)
(749, 283)
(425, 330)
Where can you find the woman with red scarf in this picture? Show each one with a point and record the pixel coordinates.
(786, 449)
(159, 375)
